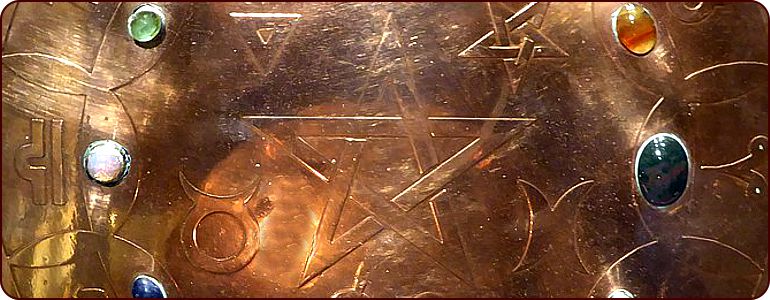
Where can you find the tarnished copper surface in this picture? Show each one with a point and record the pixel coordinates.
(382, 150)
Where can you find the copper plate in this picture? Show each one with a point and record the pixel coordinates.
(382, 150)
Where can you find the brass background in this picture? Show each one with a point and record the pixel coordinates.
(375, 149)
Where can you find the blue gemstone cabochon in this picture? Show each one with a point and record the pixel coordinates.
(147, 287)
(662, 169)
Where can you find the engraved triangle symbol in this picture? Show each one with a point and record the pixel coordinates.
(265, 34)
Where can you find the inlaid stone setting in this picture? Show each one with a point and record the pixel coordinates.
(662, 169)
(147, 287)
(634, 28)
(107, 162)
(620, 293)
(146, 23)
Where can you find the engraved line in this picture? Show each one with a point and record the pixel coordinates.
(410, 103)
(291, 154)
(696, 73)
(383, 118)
(69, 261)
(520, 12)
(569, 191)
(379, 118)
(734, 177)
(575, 242)
(186, 182)
(8, 31)
(128, 116)
(376, 55)
(357, 275)
(106, 270)
(104, 37)
(639, 213)
(130, 206)
(135, 245)
(482, 119)
(154, 262)
(756, 286)
(6, 267)
(429, 175)
(742, 97)
(31, 244)
(351, 172)
(483, 38)
(56, 162)
(92, 289)
(529, 230)
(48, 56)
(705, 239)
(607, 272)
(647, 119)
(265, 15)
(755, 172)
(43, 86)
(434, 212)
(324, 160)
(727, 165)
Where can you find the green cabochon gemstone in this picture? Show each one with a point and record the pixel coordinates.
(146, 23)
(662, 169)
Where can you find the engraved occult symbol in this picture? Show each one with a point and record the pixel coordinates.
(40, 162)
(266, 34)
(515, 39)
(394, 213)
(537, 201)
(232, 207)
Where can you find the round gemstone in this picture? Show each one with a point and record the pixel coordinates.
(662, 168)
(106, 162)
(145, 23)
(147, 287)
(634, 28)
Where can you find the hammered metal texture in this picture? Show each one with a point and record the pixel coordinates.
(382, 150)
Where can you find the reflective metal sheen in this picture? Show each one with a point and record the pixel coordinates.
(382, 150)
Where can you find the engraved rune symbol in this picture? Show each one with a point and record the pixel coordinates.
(40, 162)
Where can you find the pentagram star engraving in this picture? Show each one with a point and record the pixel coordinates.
(340, 175)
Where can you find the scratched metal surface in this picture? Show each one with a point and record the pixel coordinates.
(383, 150)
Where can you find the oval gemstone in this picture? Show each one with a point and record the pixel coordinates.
(145, 23)
(662, 167)
(106, 162)
(147, 287)
(634, 28)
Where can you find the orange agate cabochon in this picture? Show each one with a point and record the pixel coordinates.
(634, 28)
